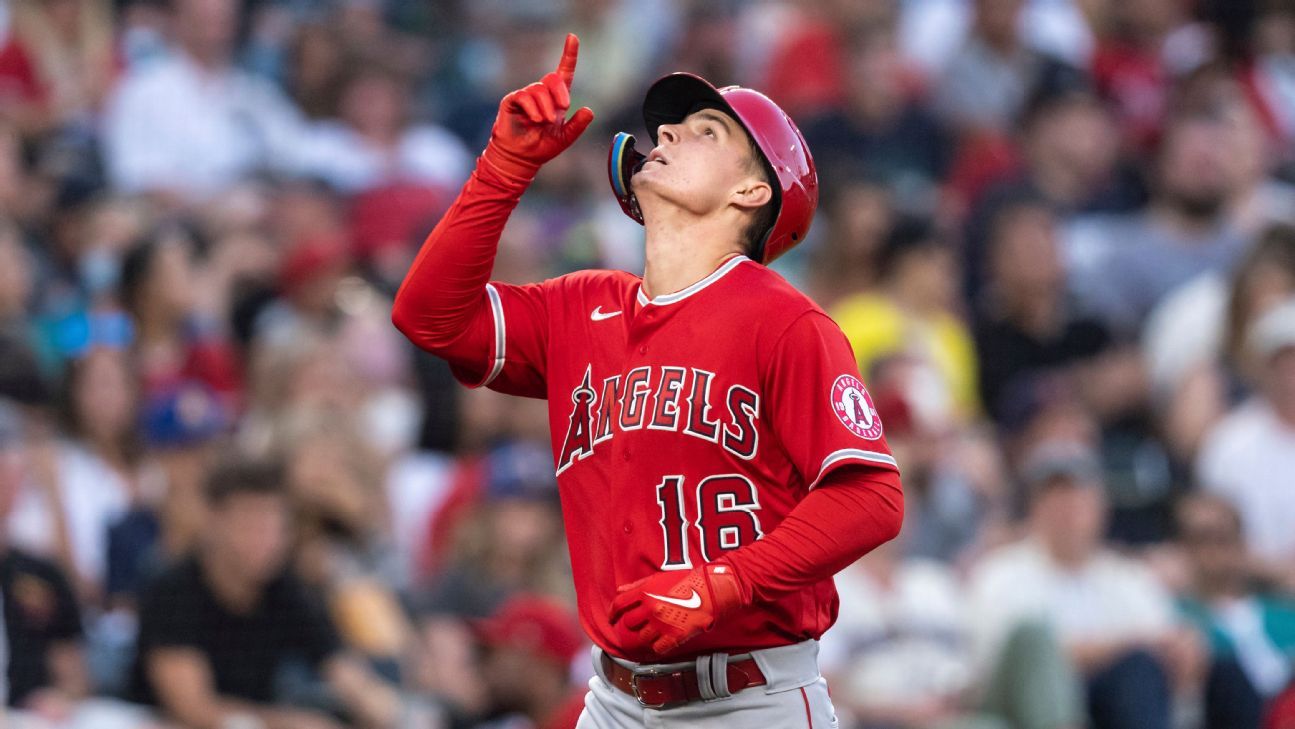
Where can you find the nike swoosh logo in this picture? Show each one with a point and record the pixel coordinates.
(599, 315)
(692, 603)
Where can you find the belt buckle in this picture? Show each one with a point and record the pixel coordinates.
(638, 694)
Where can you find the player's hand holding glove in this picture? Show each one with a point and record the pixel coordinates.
(668, 609)
(532, 127)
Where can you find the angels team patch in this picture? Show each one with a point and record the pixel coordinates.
(853, 405)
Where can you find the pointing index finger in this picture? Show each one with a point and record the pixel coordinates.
(567, 66)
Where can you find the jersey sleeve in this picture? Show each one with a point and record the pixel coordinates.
(818, 406)
(505, 344)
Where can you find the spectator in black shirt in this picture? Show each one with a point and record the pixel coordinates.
(1025, 333)
(882, 129)
(217, 628)
(41, 620)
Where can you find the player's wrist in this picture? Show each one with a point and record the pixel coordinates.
(725, 584)
(511, 169)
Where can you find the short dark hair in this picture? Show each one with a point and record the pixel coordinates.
(753, 237)
(909, 235)
(244, 475)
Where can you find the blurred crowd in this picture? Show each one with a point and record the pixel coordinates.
(1059, 234)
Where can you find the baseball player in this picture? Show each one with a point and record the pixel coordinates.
(718, 456)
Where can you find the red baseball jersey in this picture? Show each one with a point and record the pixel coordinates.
(683, 427)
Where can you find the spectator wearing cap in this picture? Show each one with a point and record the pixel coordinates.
(217, 628)
(1114, 621)
(190, 125)
(529, 646)
(1249, 455)
(913, 316)
(180, 429)
(310, 271)
(46, 670)
(1250, 632)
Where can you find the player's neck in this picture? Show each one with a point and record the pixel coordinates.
(678, 256)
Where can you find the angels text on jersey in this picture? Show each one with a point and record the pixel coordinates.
(681, 399)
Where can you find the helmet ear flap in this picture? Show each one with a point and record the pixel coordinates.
(623, 160)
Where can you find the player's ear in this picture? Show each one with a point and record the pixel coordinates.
(752, 193)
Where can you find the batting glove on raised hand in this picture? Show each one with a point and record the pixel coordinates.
(531, 127)
(668, 609)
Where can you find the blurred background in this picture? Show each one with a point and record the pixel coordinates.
(1058, 234)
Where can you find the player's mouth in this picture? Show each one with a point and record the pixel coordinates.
(657, 156)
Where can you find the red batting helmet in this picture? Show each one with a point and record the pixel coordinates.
(786, 156)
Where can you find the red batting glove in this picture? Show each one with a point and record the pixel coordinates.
(670, 608)
(532, 127)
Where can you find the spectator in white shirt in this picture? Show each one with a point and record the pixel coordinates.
(190, 125)
(1249, 457)
(373, 142)
(1114, 620)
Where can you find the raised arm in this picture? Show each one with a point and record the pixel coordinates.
(445, 288)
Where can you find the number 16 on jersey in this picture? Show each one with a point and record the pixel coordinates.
(727, 518)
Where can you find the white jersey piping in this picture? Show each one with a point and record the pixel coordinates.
(497, 310)
(853, 454)
(678, 296)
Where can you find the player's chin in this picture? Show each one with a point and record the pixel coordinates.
(651, 173)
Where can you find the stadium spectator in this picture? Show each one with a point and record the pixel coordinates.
(1274, 74)
(1250, 634)
(1065, 153)
(180, 431)
(985, 83)
(1121, 265)
(1248, 456)
(343, 545)
(80, 483)
(373, 143)
(529, 645)
(176, 339)
(505, 544)
(61, 59)
(1026, 330)
(17, 331)
(1144, 45)
(914, 315)
(880, 129)
(845, 260)
(216, 629)
(46, 671)
(1194, 341)
(1113, 619)
(900, 652)
(189, 126)
(314, 69)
